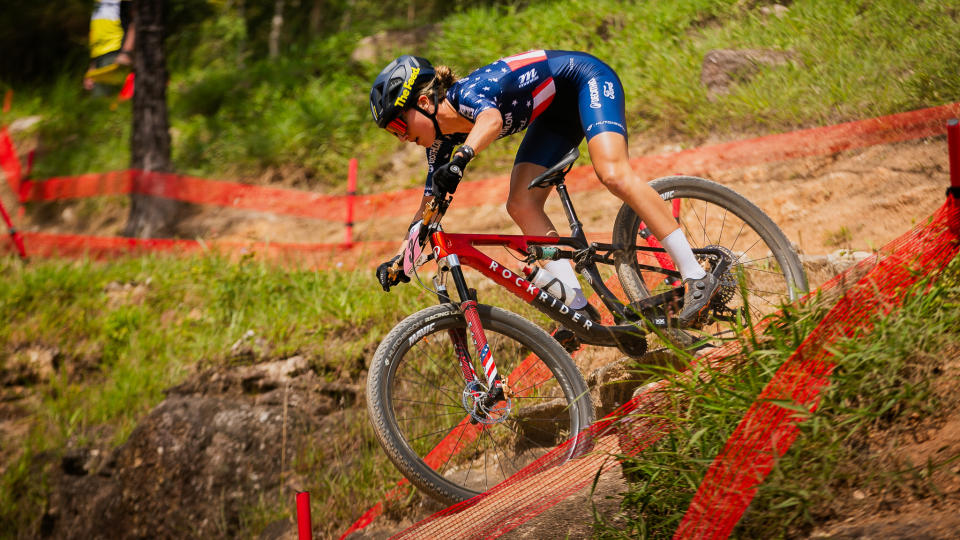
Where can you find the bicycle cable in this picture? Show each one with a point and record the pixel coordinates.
(420, 283)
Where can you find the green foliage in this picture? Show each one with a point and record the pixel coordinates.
(236, 112)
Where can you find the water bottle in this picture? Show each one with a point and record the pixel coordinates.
(549, 283)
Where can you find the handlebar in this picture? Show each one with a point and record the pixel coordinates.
(433, 212)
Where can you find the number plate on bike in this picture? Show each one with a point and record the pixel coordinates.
(413, 256)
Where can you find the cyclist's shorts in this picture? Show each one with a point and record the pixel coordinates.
(589, 101)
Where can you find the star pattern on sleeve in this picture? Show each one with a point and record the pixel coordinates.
(498, 86)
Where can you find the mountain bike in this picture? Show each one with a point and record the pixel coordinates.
(457, 415)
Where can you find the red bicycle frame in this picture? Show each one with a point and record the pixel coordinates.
(462, 248)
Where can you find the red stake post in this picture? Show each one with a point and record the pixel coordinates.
(351, 195)
(304, 528)
(953, 145)
(14, 235)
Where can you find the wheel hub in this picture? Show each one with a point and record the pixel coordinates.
(484, 406)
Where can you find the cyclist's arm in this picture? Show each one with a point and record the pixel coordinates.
(486, 129)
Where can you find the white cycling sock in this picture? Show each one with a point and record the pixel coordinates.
(679, 250)
(564, 272)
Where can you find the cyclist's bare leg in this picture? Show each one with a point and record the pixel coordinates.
(609, 154)
(525, 206)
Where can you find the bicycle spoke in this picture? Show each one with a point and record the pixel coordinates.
(535, 385)
(712, 217)
(444, 364)
(457, 445)
(501, 452)
(458, 414)
(723, 225)
(442, 389)
(532, 442)
(431, 435)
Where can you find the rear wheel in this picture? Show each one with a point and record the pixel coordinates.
(428, 424)
(714, 216)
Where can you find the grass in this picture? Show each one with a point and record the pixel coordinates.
(121, 347)
(127, 330)
(236, 114)
(885, 385)
(838, 238)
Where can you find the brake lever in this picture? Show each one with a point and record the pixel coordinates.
(432, 215)
(394, 270)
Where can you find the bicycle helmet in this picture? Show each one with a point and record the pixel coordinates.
(397, 86)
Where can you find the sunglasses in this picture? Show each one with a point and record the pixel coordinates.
(398, 127)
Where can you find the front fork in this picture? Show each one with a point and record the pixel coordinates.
(468, 306)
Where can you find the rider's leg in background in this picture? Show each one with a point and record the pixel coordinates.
(525, 206)
(609, 154)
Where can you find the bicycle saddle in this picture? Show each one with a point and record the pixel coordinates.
(554, 175)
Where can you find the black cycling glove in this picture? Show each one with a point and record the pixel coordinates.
(383, 274)
(447, 176)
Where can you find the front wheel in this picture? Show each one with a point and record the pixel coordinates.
(765, 271)
(424, 418)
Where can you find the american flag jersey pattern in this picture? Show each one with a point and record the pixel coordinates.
(523, 87)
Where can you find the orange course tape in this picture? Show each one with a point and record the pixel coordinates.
(702, 160)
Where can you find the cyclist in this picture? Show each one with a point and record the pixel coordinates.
(559, 97)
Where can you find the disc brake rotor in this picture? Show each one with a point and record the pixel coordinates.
(484, 407)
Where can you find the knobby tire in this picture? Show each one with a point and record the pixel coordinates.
(414, 398)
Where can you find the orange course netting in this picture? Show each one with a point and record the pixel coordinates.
(353, 208)
(768, 429)
(765, 433)
(810, 142)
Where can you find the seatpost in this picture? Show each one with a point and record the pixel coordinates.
(576, 228)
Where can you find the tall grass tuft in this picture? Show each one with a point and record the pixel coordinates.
(885, 384)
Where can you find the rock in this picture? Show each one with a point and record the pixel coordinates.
(834, 263)
(272, 375)
(121, 294)
(221, 442)
(617, 382)
(389, 43)
(23, 124)
(722, 68)
(192, 458)
(30, 365)
(777, 10)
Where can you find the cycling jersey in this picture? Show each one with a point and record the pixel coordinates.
(539, 91)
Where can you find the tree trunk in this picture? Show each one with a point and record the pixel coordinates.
(316, 17)
(150, 143)
(276, 29)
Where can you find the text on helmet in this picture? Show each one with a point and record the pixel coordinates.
(407, 87)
